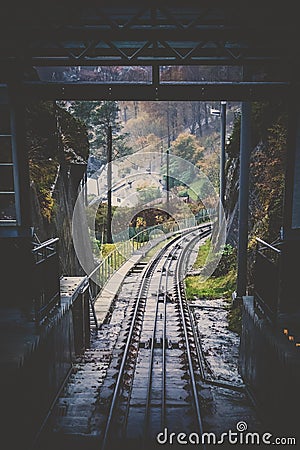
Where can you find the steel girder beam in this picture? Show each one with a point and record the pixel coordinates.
(233, 34)
(233, 91)
(172, 32)
(146, 53)
(164, 48)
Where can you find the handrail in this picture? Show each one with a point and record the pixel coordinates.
(116, 249)
(46, 294)
(44, 244)
(266, 279)
(268, 245)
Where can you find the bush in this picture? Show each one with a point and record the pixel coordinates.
(227, 261)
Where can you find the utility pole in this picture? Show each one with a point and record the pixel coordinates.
(109, 184)
(222, 154)
(168, 157)
(222, 114)
(222, 163)
(168, 176)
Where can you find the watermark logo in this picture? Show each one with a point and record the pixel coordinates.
(241, 426)
(239, 436)
(138, 182)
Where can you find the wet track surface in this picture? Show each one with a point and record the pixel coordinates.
(155, 384)
(225, 407)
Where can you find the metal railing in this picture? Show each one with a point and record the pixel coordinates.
(46, 279)
(166, 227)
(266, 277)
(116, 258)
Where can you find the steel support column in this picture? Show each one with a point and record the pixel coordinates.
(20, 158)
(222, 164)
(16, 237)
(245, 150)
(222, 154)
(290, 247)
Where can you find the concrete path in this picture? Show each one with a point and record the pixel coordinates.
(111, 288)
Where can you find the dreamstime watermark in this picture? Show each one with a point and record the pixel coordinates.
(138, 183)
(239, 436)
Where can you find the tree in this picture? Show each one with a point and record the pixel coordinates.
(187, 147)
(148, 193)
(98, 117)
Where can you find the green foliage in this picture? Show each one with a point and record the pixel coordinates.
(234, 318)
(264, 115)
(98, 117)
(267, 181)
(267, 178)
(100, 220)
(233, 146)
(151, 217)
(195, 189)
(209, 164)
(187, 147)
(227, 261)
(43, 174)
(43, 138)
(202, 254)
(148, 193)
(106, 249)
(179, 173)
(140, 222)
(267, 169)
(46, 203)
(119, 213)
(74, 137)
(220, 285)
(213, 287)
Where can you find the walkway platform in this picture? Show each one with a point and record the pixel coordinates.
(20, 335)
(36, 358)
(105, 298)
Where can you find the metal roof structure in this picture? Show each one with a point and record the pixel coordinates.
(262, 36)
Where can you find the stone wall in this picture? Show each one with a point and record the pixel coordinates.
(41, 363)
(270, 366)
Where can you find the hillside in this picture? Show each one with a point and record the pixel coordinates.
(58, 150)
(267, 173)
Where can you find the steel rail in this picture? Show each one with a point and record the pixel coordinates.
(164, 370)
(143, 285)
(145, 280)
(150, 369)
(161, 254)
(191, 318)
(180, 237)
(150, 372)
(187, 341)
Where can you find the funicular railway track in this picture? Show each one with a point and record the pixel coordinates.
(157, 383)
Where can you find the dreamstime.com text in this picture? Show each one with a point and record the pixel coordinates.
(232, 437)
